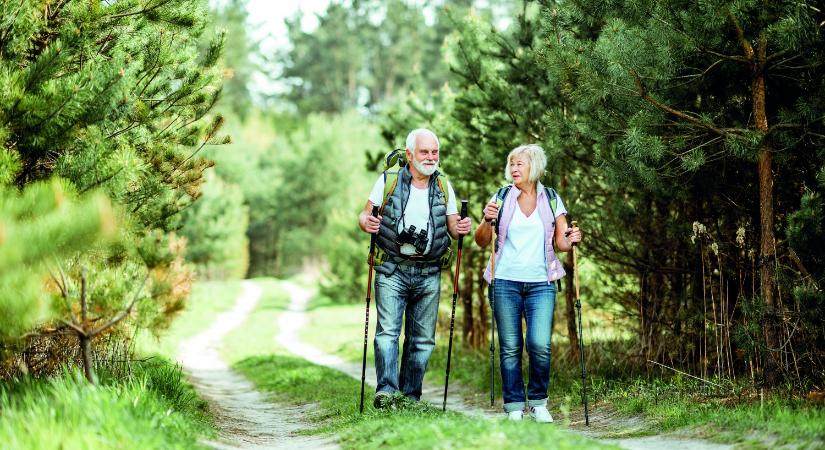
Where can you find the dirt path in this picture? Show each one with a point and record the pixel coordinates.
(295, 318)
(245, 418)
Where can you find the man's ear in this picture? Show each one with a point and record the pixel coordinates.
(409, 154)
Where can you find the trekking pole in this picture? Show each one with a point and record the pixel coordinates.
(452, 316)
(492, 296)
(367, 316)
(581, 334)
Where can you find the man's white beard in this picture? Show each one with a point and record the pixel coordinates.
(424, 169)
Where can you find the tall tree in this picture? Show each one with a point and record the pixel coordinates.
(111, 97)
(727, 97)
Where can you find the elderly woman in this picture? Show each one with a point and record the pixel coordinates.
(532, 220)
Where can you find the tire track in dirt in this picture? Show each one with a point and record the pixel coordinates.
(245, 418)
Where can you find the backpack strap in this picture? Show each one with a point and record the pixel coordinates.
(501, 194)
(389, 188)
(553, 200)
(443, 190)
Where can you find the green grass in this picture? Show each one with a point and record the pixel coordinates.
(153, 409)
(335, 396)
(257, 335)
(208, 299)
(343, 328)
(734, 416)
(665, 404)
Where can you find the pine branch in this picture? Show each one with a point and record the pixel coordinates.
(99, 182)
(143, 10)
(11, 21)
(736, 58)
(747, 48)
(122, 314)
(642, 92)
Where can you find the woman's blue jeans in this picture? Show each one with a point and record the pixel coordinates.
(410, 294)
(513, 300)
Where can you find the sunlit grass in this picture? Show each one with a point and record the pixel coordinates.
(151, 410)
(334, 398)
(666, 404)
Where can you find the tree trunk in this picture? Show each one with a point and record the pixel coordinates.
(84, 339)
(88, 359)
(765, 169)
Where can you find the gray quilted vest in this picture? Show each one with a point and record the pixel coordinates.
(388, 232)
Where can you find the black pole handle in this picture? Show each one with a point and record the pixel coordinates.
(372, 236)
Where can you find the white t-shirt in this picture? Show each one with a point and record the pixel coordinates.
(417, 211)
(523, 257)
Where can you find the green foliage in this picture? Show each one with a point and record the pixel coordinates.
(111, 98)
(301, 180)
(154, 409)
(363, 53)
(231, 19)
(805, 226)
(215, 227)
(40, 225)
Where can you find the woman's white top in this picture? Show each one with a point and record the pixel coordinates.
(523, 257)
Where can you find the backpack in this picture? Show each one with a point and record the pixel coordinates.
(393, 163)
(550, 193)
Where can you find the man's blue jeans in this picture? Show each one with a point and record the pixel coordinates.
(411, 294)
(535, 302)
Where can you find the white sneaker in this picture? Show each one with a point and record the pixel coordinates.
(541, 414)
(515, 416)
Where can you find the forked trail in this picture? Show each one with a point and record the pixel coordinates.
(247, 420)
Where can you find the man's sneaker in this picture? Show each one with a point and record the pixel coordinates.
(540, 414)
(515, 416)
(382, 400)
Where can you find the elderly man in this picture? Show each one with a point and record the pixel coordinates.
(408, 276)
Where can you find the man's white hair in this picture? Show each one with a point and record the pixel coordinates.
(534, 155)
(412, 138)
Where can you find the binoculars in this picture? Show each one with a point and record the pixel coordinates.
(418, 240)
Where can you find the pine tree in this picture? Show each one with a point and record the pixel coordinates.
(726, 97)
(112, 98)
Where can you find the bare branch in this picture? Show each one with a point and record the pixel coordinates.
(122, 314)
(687, 374)
(642, 92)
(747, 48)
(75, 327)
(740, 59)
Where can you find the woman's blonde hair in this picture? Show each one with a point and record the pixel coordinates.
(535, 157)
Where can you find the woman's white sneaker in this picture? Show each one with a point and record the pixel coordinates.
(515, 415)
(541, 414)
